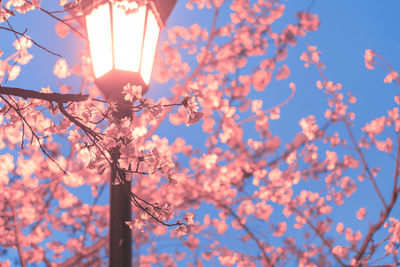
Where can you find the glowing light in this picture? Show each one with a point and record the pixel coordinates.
(149, 47)
(123, 40)
(128, 35)
(99, 35)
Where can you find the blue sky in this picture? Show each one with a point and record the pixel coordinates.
(347, 29)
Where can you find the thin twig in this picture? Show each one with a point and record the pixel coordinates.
(90, 214)
(321, 236)
(60, 20)
(30, 39)
(364, 161)
(384, 215)
(250, 233)
(19, 52)
(190, 78)
(76, 259)
(88, 131)
(34, 134)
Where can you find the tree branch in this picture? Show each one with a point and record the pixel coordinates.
(190, 78)
(74, 260)
(321, 236)
(34, 135)
(56, 97)
(250, 233)
(17, 233)
(30, 39)
(364, 161)
(89, 217)
(60, 20)
(385, 214)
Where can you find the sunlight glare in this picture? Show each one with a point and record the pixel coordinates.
(99, 35)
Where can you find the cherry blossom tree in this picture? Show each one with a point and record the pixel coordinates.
(243, 197)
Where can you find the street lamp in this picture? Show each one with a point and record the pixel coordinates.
(123, 37)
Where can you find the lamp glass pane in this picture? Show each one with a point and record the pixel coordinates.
(128, 37)
(99, 34)
(150, 46)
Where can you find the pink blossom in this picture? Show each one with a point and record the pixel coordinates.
(319, 84)
(220, 225)
(62, 30)
(310, 128)
(375, 127)
(209, 160)
(283, 73)
(261, 79)
(7, 164)
(361, 213)
(340, 228)
(14, 72)
(256, 105)
(275, 175)
(136, 224)
(325, 209)
(246, 208)
(394, 234)
(132, 92)
(61, 69)
(369, 58)
(397, 99)
(391, 77)
(189, 218)
(341, 252)
(354, 238)
(280, 229)
(228, 259)
(331, 159)
(386, 145)
(73, 180)
(22, 43)
(308, 21)
(263, 211)
(275, 114)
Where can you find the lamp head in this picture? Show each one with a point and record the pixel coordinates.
(123, 38)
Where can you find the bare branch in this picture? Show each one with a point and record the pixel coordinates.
(249, 232)
(385, 213)
(60, 20)
(17, 233)
(33, 134)
(30, 39)
(56, 97)
(74, 260)
(191, 77)
(89, 217)
(367, 169)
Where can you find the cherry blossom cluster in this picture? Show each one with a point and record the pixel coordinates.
(250, 196)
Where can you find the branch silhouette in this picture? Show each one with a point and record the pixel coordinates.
(50, 97)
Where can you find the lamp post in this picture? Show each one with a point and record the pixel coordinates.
(123, 38)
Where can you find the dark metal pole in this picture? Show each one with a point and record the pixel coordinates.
(120, 205)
